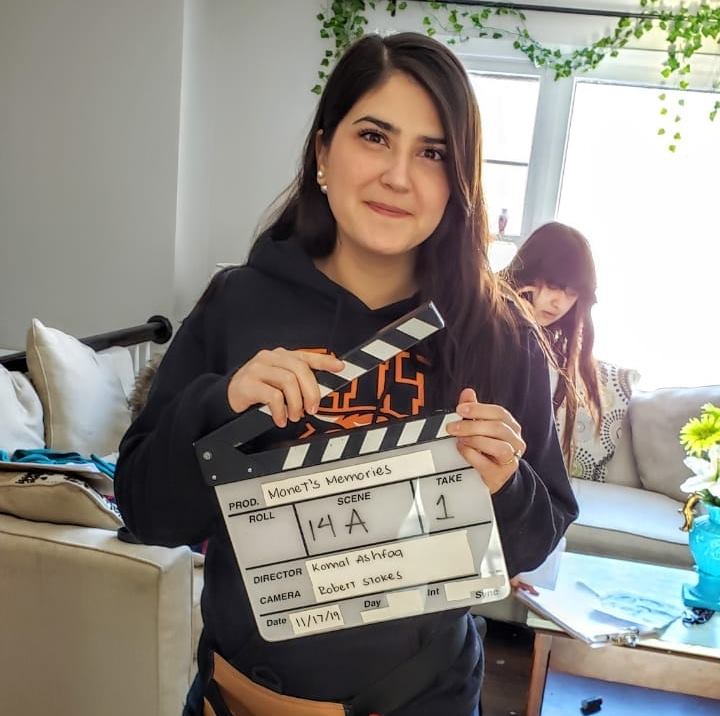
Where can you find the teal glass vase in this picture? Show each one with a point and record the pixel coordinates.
(705, 549)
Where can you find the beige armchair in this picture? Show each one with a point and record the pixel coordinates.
(92, 626)
(89, 625)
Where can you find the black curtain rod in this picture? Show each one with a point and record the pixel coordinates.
(157, 329)
(553, 8)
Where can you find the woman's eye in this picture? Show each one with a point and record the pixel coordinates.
(372, 136)
(435, 154)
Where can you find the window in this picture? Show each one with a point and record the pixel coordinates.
(652, 220)
(507, 106)
(587, 152)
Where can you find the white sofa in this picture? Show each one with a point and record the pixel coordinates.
(91, 625)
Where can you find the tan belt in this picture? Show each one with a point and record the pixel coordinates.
(243, 697)
(231, 693)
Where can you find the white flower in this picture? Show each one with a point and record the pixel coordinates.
(706, 473)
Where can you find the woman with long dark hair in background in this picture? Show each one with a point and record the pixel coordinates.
(386, 212)
(554, 270)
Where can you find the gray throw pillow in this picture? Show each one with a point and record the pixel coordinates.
(656, 418)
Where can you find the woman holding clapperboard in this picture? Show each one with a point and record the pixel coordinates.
(387, 211)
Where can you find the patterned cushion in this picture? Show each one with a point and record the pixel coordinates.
(592, 449)
(56, 497)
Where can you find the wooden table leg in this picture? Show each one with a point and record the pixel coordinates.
(538, 675)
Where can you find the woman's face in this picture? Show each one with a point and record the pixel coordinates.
(385, 169)
(550, 303)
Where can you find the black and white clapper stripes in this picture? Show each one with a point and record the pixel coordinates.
(387, 343)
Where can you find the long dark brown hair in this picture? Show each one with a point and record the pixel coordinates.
(452, 267)
(559, 256)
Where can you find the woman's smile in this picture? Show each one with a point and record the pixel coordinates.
(387, 210)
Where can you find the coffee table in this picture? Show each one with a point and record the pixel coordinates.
(683, 659)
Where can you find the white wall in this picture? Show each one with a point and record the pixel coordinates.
(246, 106)
(141, 142)
(89, 93)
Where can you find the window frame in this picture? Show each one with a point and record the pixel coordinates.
(555, 105)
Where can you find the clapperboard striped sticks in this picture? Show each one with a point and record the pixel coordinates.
(391, 340)
(360, 526)
(359, 443)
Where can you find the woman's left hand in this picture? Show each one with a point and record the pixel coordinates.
(489, 438)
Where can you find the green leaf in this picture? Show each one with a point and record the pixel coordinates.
(662, 97)
(497, 35)
(661, 131)
(317, 89)
(663, 110)
(681, 102)
(677, 135)
(320, 17)
(402, 6)
(672, 147)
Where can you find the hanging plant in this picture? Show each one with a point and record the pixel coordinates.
(685, 30)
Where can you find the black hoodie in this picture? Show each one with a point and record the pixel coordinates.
(280, 299)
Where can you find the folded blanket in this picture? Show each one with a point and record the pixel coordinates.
(47, 456)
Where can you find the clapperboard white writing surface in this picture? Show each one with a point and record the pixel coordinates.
(359, 526)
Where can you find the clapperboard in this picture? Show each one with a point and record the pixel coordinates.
(357, 526)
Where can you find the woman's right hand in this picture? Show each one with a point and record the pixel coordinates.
(283, 380)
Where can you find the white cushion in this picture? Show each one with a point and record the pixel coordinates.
(55, 497)
(119, 360)
(628, 509)
(85, 406)
(21, 413)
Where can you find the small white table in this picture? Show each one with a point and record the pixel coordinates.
(684, 659)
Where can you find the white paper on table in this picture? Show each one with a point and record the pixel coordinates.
(633, 607)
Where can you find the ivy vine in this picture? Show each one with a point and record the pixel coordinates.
(685, 28)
